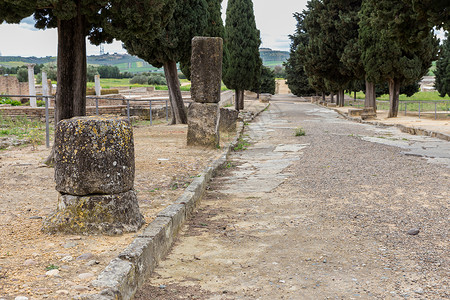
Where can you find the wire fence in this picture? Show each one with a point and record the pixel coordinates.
(420, 106)
(128, 107)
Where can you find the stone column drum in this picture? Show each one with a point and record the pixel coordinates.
(206, 77)
(94, 174)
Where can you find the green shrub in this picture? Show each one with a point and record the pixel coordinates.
(156, 79)
(139, 79)
(6, 100)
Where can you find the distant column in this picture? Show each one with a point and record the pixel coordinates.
(98, 88)
(31, 87)
(45, 89)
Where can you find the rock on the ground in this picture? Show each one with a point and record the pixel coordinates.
(413, 231)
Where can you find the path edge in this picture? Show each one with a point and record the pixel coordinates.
(128, 271)
(406, 129)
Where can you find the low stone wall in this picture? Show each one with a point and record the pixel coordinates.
(39, 112)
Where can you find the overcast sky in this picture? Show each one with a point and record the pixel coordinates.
(273, 18)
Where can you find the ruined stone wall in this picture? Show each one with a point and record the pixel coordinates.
(10, 85)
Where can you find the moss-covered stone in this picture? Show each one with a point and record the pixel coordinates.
(95, 214)
(94, 155)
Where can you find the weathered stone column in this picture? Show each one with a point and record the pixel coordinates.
(31, 86)
(94, 173)
(98, 87)
(206, 77)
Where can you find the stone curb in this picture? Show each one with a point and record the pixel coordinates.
(126, 273)
(403, 128)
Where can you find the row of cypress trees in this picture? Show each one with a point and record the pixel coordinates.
(338, 43)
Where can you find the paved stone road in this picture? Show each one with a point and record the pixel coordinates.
(321, 216)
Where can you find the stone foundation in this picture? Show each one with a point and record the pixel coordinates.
(203, 125)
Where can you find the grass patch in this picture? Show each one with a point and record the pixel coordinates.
(30, 131)
(299, 131)
(241, 145)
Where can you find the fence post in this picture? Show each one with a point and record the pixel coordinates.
(167, 111)
(405, 108)
(96, 106)
(419, 109)
(45, 93)
(128, 109)
(435, 110)
(151, 120)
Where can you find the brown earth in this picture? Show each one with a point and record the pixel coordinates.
(164, 167)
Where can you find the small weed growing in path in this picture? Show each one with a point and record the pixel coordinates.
(241, 145)
(299, 131)
(51, 267)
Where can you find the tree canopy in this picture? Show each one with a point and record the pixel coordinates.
(295, 74)
(100, 21)
(387, 58)
(442, 72)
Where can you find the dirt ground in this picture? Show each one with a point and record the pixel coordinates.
(164, 167)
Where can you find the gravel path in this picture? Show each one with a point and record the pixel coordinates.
(322, 216)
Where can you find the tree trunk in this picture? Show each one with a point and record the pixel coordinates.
(71, 78)
(71, 88)
(241, 100)
(179, 115)
(332, 97)
(354, 95)
(341, 98)
(236, 100)
(370, 102)
(394, 94)
(323, 97)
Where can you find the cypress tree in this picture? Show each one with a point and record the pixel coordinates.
(332, 27)
(173, 45)
(387, 58)
(295, 74)
(214, 28)
(242, 41)
(442, 73)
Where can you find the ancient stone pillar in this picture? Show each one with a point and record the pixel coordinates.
(31, 86)
(206, 77)
(45, 89)
(94, 174)
(98, 88)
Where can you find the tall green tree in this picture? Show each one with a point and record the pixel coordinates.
(297, 79)
(75, 20)
(442, 72)
(242, 41)
(332, 26)
(173, 45)
(214, 28)
(387, 58)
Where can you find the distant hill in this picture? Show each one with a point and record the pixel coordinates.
(129, 63)
(273, 58)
